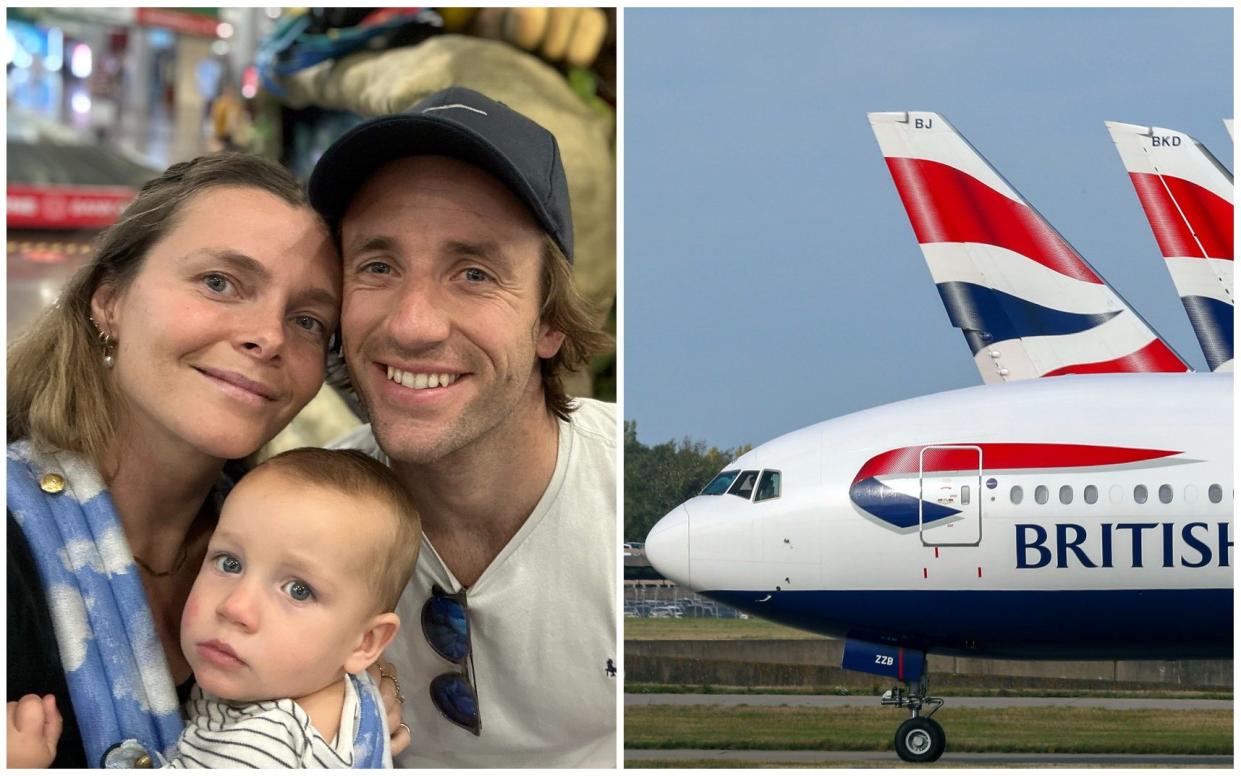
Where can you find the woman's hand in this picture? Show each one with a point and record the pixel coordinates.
(389, 686)
(34, 730)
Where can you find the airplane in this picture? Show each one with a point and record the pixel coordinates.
(1078, 516)
(1028, 304)
(1187, 197)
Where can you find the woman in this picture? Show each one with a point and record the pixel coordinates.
(195, 335)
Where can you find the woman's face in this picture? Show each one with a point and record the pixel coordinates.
(221, 336)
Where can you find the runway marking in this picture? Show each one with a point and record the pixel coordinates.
(964, 758)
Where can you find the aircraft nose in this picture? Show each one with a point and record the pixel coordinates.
(667, 546)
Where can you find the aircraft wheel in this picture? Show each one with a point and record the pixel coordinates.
(920, 740)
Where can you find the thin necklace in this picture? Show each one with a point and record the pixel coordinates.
(175, 567)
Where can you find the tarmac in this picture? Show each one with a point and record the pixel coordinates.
(966, 759)
(974, 759)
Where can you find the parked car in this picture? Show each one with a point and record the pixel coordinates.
(668, 610)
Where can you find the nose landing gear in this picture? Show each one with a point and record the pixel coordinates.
(919, 739)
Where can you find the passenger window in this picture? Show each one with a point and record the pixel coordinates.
(1215, 493)
(1040, 494)
(1165, 494)
(1015, 494)
(768, 486)
(720, 484)
(1116, 494)
(1066, 494)
(965, 495)
(744, 486)
(1139, 494)
(1091, 494)
(1191, 494)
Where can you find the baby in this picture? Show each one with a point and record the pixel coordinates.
(297, 591)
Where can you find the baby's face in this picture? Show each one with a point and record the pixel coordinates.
(282, 599)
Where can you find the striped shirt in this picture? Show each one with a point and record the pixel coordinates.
(267, 734)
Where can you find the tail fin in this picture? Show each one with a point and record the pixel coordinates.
(1028, 304)
(1187, 196)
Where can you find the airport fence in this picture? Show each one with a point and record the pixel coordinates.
(661, 598)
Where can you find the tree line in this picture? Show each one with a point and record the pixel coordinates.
(659, 477)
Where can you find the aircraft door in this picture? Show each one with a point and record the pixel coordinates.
(950, 497)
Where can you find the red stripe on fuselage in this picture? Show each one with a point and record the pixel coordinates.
(947, 205)
(1004, 455)
(1155, 356)
(1208, 214)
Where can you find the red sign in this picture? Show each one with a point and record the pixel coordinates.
(65, 207)
(178, 21)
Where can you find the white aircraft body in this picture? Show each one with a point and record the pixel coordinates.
(1021, 521)
(1187, 197)
(1077, 516)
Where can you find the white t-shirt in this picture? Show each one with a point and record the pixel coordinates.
(542, 623)
(264, 734)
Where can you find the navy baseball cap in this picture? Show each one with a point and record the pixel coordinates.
(462, 124)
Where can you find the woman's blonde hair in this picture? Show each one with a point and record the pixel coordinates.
(59, 396)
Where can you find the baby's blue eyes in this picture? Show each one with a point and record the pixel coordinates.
(294, 588)
(298, 590)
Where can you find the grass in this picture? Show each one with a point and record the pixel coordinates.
(708, 629)
(1074, 730)
(745, 764)
(641, 688)
(850, 764)
(853, 764)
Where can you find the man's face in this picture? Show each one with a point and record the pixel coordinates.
(441, 306)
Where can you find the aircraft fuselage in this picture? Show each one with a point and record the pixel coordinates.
(1077, 517)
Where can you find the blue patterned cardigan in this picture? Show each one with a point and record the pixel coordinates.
(118, 678)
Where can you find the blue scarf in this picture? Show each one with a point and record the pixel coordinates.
(114, 664)
(370, 741)
(118, 678)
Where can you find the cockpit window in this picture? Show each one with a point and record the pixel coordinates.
(768, 485)
(719, 485)
(744, 486)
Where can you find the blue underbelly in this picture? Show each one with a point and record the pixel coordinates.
(1044, 624)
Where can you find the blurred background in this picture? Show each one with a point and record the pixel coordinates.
(102, 99)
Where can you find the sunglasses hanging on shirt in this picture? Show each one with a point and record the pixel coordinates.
(446, 625)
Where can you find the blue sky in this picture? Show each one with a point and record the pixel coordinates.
(772, 279)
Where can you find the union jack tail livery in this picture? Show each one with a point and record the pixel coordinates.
(1187, 196)
(1028, 304)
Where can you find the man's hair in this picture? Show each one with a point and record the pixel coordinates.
(567, 310)
(355, 474)
(59, 396)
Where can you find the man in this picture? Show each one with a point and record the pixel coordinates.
(459, 317)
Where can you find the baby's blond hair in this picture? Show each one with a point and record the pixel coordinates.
(356, 474)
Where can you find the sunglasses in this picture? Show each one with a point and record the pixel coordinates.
(446, 624)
